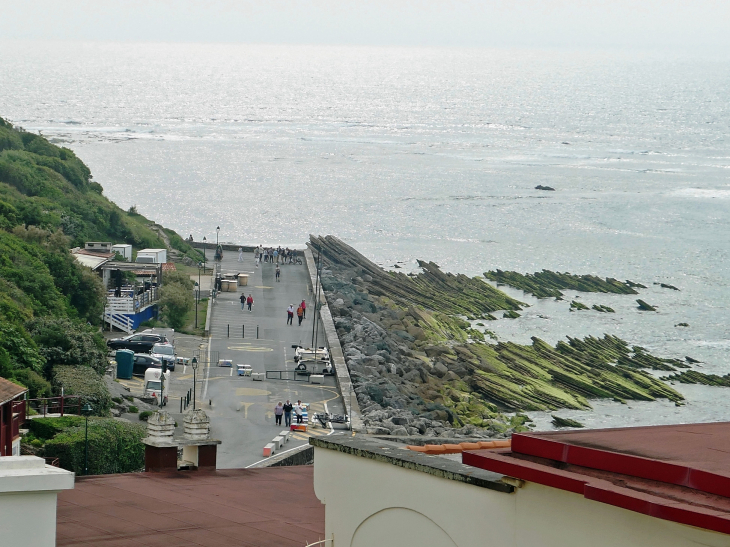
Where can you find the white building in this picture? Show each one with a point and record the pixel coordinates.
(28, 492)
(667, 486)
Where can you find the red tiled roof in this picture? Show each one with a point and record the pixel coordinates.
(226, 507)
(10, 390)
(679, 472)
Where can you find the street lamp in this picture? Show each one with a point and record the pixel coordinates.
(86, 410)
(197, 296)
(204, 245)
(217, 229)
(195, 370)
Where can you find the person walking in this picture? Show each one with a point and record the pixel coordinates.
(278, 274)
(300, 315)
(249, 301)
(240, 254)
(287, 413)
(299, 411)
(290, 314)
(243, 300)
(279, 412)
(304, 309)
(276, 256)
(257, 255)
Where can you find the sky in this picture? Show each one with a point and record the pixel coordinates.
(646, 24)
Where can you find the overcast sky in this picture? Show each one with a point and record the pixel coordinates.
(689, 24)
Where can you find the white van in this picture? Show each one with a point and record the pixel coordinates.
(154, 386)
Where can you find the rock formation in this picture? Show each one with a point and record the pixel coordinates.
(546, 284)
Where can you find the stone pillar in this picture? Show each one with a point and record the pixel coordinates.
(197, 425)
(160, 448)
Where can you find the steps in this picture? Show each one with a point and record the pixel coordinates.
(119, 321)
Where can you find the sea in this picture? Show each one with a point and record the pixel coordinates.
(434, 154)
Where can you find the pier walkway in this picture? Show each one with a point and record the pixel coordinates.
(242, 411)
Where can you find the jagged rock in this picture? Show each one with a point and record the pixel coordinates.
(643, 306)
(547, 188)
(547, 284)
(440, 369)
(565, 422)
(399, 431)
(682, 325)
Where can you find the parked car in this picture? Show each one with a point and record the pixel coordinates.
(143, 361)
(310, 353)
(153, 385)
(138, 343)
(165, 353)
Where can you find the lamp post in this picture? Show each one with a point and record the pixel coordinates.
(197, 296)
(204, 245)
(195, 370)
(217, 229)
(86, 410)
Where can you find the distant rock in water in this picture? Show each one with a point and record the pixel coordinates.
(694, 377)
(565, 422)
(666, 286)
(682, 325)
(541, 187)
(603, 309)
(575, 305)
(690, 360)
(643, 306)
(635, 285)
(510, 314)
(547, 284)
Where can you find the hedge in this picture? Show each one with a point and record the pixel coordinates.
(85, 382)
(47, 428)
(114, 447)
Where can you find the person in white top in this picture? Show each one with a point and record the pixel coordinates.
(299, 410)
(240, 254)
(290, 314)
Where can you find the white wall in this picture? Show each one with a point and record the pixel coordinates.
(28, 491)
(376, 504)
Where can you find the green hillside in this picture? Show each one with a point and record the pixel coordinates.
(50, 307)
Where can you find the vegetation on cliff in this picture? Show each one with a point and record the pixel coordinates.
(547, 284)
(49, 305)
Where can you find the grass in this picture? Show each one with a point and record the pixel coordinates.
(189, 327)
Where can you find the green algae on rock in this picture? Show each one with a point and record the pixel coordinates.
(603, 309)
(565, 422)
(417, 368)
(643, 306)
(546, 284)
(694, 377)
(575, 305)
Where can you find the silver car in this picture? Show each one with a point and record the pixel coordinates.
(166, 354)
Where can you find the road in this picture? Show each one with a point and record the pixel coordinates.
(241, 410)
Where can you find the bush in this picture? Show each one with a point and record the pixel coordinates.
(86, 383)
(117, 400)
(133, 409)
(64, 342)
(47, 428)
(146, 414)
(37, 385)
(114, 447)
(176, 301)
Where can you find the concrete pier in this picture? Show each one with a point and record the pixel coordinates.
(242, 411)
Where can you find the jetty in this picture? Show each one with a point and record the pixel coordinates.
(241, 408)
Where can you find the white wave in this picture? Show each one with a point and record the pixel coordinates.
(712, 193)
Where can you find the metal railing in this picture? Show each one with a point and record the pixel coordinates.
(68, 404)
(288, 375)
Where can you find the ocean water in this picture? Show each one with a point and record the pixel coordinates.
(410, 153)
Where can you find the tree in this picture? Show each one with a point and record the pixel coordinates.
(176, 301)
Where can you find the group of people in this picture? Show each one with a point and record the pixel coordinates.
(246, 301)
(301, 312)
(286, 411)
(272, 255)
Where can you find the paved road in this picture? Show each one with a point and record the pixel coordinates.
(242, 410)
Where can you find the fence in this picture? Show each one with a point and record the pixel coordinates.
(68, 404)
(131, 303)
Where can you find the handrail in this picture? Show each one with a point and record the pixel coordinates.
(47, 404)
(321, 542)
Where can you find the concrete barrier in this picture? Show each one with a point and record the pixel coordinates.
(269, 450)
(285, 434)
(278, 442)
(316, 378)
(344, 382)
(258, 376)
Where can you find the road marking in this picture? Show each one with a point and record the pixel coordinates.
(245, 408)
(263, 287)
(231, 374)
(251, 392)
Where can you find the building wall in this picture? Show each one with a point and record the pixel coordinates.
(371, 503)
(28, 518)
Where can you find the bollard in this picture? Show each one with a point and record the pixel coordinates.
(257, 332)
(243, 331)
(229, 331)
(181, 403)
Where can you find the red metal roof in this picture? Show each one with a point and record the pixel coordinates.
(678, 472)
(231, 507)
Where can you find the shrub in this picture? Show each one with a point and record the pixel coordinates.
(114, 447)
(86, 383)
(37, 385)
(47, 428)
(175, 303)
(64, 342)
(117, 400)
(133, 409)
(36, 443)
(145, 414)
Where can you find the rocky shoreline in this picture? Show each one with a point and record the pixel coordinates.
(420, 368)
